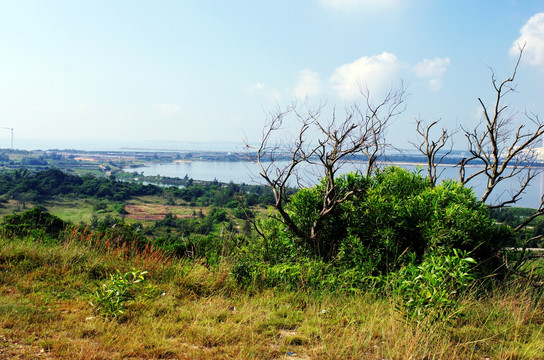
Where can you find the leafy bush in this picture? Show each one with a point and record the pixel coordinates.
(431, 290)
(245, 271)
(304, 208)
(34, 222)
(395, 217)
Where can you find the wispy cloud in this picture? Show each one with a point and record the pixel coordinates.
(309, 84)
(83, 108)
(378, 73)
(532, 36)
(254, 88)
(166, 109)
(433, 70)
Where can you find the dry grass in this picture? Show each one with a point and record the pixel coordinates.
(194, 312)
(143, 211)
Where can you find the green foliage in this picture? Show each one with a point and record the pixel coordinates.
(212, 193)
(35, 222)
(304, 274)
(243, 213)
(100, 206)
(431, 290)
(111, 298)
(47, 183)
(395, 223)
(245, 271)
(532, 235)
(304, 207)
(395, 216)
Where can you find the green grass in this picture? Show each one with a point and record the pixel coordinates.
(68, 209)
(74, 211)
(188, 311)
(81, 210)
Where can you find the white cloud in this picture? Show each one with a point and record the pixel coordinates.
(378, 73)
(166, 109)
(432, 70)
(254, 88)
(83, 108)
(349, 5)
(532, 35)
(309, 84)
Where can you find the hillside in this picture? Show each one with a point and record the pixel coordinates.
(187, 310)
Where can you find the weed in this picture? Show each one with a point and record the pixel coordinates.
(430, 291)
(112, 297)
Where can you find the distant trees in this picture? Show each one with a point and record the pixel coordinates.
(55, 182)
(214, 193)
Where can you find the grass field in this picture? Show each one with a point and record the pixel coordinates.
(185, 310)
(145, 209)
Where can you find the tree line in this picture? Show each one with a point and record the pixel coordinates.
(24, 184)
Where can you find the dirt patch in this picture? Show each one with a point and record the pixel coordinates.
(78, 158)
(152, 212)
(143, 217)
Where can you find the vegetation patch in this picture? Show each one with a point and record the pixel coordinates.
(144, 212)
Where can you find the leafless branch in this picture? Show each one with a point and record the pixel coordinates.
(504, 149)
(432, 148)
(361, 132)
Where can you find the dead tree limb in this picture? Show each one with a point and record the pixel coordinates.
(505, 148)
(433, 149)
(327, 145)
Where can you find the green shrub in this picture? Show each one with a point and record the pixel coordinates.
(245, 271)
(431, 290)
(396, 216)
(394, 220)
(112, 296)
(35, 222)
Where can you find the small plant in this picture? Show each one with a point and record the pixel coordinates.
(111, 298)
(431, 290)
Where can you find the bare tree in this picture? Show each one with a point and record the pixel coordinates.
(281, 160)
(432, 148)
(504, 148)
(374, 120)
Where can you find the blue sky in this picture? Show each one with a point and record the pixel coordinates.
(193, 70)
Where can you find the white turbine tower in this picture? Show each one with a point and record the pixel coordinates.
(11, 129)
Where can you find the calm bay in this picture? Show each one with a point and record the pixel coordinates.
(248, 173)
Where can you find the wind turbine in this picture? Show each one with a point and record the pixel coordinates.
(3, 127)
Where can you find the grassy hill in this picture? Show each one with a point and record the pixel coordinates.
(142, 272)
(187, 310)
